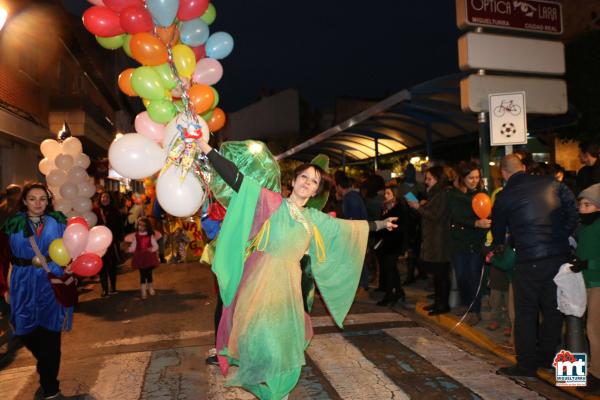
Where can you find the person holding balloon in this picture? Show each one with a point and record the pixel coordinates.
(470, 208)
(37, 317)
(109, 216)
(145, 254)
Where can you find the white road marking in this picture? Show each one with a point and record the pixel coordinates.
(349, 372)
(121, 377)
(12, 381)
(476, 374)
(356, 319)
(153, 338)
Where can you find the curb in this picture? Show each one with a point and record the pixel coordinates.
(449, 321)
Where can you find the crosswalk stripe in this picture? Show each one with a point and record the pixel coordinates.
(121, 377)
(349, 372)
(153, 338)
(14, 380)
(356, 319)
(472, 372)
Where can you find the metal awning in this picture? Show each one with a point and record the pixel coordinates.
(409, 120)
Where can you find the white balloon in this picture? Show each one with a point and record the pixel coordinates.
(62, 205)
(179, 198)
(81, 204)
(72, 146)
(63, 161)
(77, 175)
(86, 189)
(91, 218)
(69, 190)
(82, 160)
(45, 166)
(56, 177)
(50, 148)
(135, 156)
(181, 122)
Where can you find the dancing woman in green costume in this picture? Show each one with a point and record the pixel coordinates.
(264, 329)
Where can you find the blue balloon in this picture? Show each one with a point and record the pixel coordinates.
(194, 32)
(163, 11)
(219, 45)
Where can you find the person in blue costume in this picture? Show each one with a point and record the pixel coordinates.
(37, 318)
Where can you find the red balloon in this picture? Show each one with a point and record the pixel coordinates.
(135, 19)
(102, 21)
(482, 205)
(78, 220)
(199, 52)
(88, 264)
(120, 5)
(190, 9)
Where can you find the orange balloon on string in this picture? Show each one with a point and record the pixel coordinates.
(147, 49)
(202, 98)
(482, 205)
(217, 120)
(125, 82)
(168, 35)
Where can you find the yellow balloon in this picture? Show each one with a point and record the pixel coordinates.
(184, 59)
(58, 253)
(146, 102)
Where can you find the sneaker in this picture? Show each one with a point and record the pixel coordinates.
(516, 370)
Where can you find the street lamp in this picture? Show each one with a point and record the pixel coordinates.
(3, 16)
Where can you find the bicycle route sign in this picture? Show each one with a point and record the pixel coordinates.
(508, 118)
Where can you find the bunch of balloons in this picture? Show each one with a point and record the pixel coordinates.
(83, 245)
(65, 167)
(179, 56)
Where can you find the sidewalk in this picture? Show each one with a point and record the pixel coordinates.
(494, 341)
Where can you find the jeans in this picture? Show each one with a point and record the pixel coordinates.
(467, 269)
(535, 291)
(45, 347)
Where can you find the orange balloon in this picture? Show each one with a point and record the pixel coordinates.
(125, 82)
(202, 98)
(147, 49)
(482, 205)
(169, 35)
(217, 120)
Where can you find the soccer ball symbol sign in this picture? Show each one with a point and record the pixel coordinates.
(508, 129)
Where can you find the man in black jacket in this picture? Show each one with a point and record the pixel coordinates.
(540, 213)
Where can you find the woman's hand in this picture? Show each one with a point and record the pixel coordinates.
(389, 223)
(413, 204)
(204, 147)
(483, 223)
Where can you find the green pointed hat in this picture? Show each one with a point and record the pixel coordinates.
(318, 202)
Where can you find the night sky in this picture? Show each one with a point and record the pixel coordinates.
(328, 48)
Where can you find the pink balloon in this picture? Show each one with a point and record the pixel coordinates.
(97, 2)
(88, 264)
(145, 126)
(75, 239)
(208, 71)
(99, 239)
(78, 220)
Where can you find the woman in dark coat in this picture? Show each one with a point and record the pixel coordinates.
(109, 216)
(391, 245)
(435, 237)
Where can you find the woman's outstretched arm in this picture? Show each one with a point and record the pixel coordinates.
(225, 168)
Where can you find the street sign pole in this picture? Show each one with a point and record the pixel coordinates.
(484, 150)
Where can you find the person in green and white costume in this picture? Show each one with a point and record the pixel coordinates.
(264, 329)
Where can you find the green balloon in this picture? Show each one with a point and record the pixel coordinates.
(206, 116)
(209, 15)
(161, 111)
(147, 84)
(166, 75)
(111, 43)
(126, 47)
(216, 102)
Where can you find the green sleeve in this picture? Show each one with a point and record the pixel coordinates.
(228, 263)
(337, 251)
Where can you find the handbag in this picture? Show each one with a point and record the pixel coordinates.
(65, 286)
